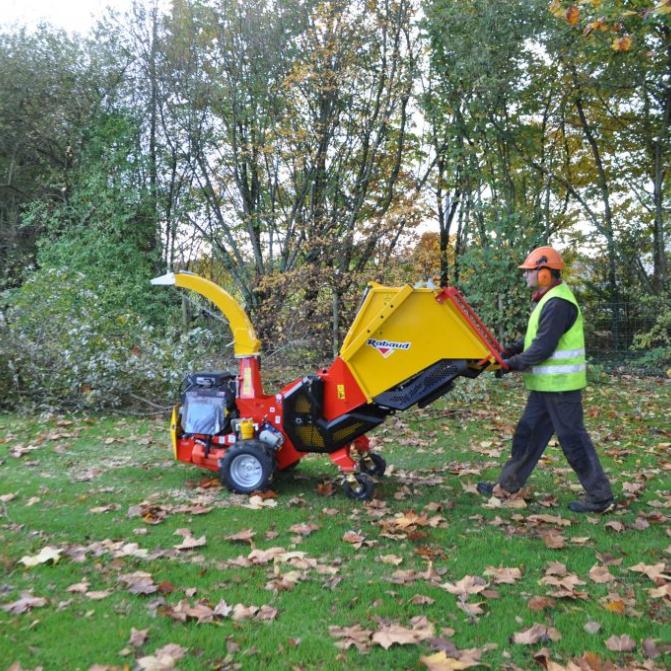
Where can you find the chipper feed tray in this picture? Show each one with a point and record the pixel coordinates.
(405, 347)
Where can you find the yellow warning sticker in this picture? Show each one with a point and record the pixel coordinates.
(247, 382)
(341, 391)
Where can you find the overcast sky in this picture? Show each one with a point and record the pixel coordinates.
(72, 15)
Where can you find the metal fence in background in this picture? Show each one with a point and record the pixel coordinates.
(611, 329)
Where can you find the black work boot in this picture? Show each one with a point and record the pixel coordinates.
(485, 488)
(585, 506)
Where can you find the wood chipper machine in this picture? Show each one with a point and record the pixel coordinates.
(406, 346)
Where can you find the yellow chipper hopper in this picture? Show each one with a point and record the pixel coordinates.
(405, 347)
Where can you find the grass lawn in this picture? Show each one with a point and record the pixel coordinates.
(311, 580)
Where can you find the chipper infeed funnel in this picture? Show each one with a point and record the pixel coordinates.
(400, 331)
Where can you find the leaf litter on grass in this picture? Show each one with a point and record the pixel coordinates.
(423, 517)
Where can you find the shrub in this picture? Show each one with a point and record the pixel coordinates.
(65, 347)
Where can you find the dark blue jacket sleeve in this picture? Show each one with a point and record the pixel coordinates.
(557, 317)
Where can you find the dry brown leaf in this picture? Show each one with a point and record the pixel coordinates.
(622, 643)
(46, 554)
(241, 612)
(222, 609)
(422, 600)
(441, 662)
(616, 606)
(303, 529)
(258, 502)
(650, 649)
(556, 520)
(138, 637)
(98, 595)
(536, 633)
(266, 613)
(79, 587)
(661, 592)
(536, 603)
(244, 536)
(616, 526)
(553, 540)
(139, 582)
(467, 585)
(391, 634)
(600, 574)
(189, 542)
(472, 610)
(355, 636)
(592, 627)
(391, 559)
(654, 571)
(503, 576)
(163, 659)
(24, 604)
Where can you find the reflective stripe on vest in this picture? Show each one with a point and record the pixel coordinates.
(566, 369)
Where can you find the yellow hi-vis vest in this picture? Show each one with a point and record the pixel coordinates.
(566, 368)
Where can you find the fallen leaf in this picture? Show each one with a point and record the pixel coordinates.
(244, 536)
(536, 633)
(98, 595)
(24, 604)
(441, 662)
(222, 609)
(467, 585)
(392, 634)
(422, 600)
(163, 659)
(650, 649)
(257, 502)
(540, 603)
(241, 612)
(616, 606)
(661, 592)
(553, 540)
(355, 636)
(622, 643)
(592, 627)
(46, 554)
(503, 576)
(189, 542)
(600, 574)
(616, 526)
(139, 582)
(391, 559)
(654, 571)
(138, 637)
(303, 529)
(79, 587)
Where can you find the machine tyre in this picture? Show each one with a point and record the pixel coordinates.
(247, 468)
(378, 466)
(363, 491)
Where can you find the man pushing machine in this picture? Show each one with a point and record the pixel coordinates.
(551, 358)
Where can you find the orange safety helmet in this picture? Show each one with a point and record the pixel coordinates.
(543, 257)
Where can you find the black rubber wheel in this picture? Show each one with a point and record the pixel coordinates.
(362, 491)
(248, 467)
(373, 464)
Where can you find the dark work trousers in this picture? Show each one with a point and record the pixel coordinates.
(547, 413)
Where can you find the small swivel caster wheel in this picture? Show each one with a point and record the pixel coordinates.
(358, 486)
(373, 464)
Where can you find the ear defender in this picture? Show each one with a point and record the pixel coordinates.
(544, 277)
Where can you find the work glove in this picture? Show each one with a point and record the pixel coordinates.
(504, 370)
(511, 349)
